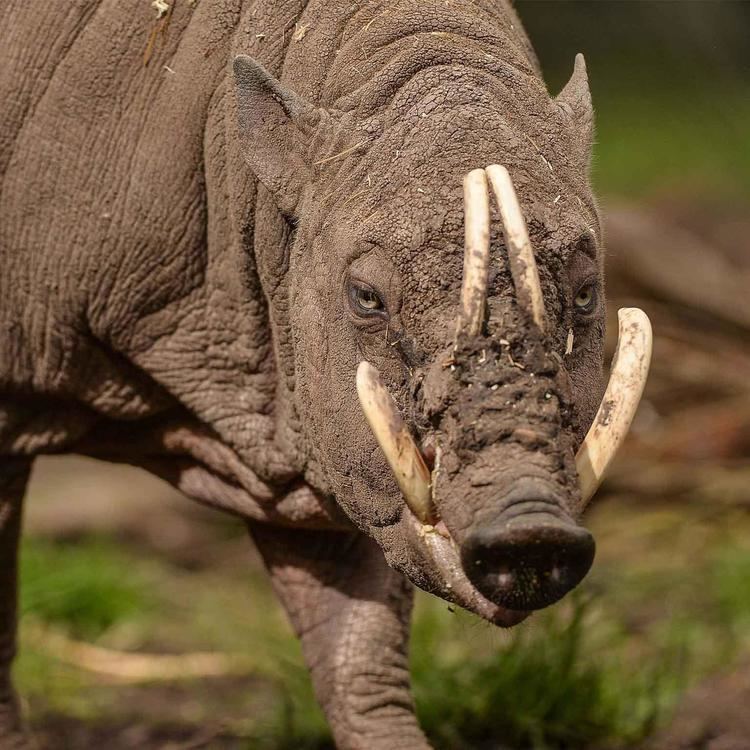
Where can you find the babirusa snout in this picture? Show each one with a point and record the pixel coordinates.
(531, 553)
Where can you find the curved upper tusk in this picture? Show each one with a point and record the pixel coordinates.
(523, 266)
(476, 254)
(401, 452)
(626, 382)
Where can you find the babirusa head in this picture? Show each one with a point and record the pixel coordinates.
(497, 410)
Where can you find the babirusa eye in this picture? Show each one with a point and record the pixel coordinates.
(368, 300)
(585, 300)
(365, 300)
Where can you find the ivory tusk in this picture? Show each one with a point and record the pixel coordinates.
(624, 390)
(401, 452)
(476, 254)
(523, 266)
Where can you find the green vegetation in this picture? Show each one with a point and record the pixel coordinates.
(580, 674)
(601, 669)
(559, 682)
(84, 588)
(671, 140)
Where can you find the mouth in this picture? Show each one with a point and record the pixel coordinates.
(627, 379)
(442, 553)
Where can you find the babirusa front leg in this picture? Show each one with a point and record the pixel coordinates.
(352, 613)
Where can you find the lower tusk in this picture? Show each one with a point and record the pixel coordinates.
(523, 266)
(394, 438)
(476, 254)
(626, 382)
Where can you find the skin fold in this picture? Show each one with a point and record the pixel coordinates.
(179, 245)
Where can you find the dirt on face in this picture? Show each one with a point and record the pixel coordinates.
(499, 406)
(505, 481)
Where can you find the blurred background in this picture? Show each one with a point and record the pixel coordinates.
(147, 622)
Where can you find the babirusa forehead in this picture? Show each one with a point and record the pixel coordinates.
(406, 192)
(422, 223)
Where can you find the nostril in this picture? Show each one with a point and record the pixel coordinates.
(530, 561)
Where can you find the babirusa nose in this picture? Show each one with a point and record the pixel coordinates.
(529, 557)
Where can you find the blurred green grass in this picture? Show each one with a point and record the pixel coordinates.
(671, 89)
(601, 669)
(81, 588)
(672, 139)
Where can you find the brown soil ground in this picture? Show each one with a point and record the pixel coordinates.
(713, 716)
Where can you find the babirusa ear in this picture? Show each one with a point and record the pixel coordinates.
(275, 130)
(575, 101)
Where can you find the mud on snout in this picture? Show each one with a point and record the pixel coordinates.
(505, 482)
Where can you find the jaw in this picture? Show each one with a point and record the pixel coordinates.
(428, 556)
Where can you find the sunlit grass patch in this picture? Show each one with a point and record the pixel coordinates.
(82, 590)
(557, 681)
(129, 605)
(85, 588)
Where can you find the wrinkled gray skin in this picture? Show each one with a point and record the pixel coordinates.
(177, 249)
